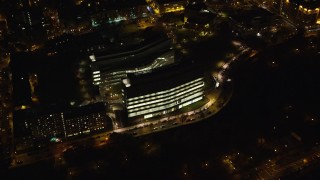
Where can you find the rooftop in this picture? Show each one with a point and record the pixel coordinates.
(84, 110)
(78, 111)
(248, 16)
(198, 6)
(119, 4)
(133, 54)
(168, 1)
(307, 3)
(163, 79)
(201, 17)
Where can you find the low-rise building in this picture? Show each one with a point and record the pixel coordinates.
(302, 12)
(159, 7)
(33, 128)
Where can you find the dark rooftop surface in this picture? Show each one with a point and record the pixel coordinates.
(118, 4)
(197, 6)
(168, 1)
(307, 3)
(248, 16)
(84, 110)
(163, 79)
(140, 56)
(71, 111)
(133, 41)
(135, 50)
(201, 17)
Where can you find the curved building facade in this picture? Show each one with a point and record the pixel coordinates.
(165, 90)
(166, 101)
(109, 71)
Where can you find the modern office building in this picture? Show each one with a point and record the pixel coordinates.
(164, 91)
(159, 7)
(148, 81)
(138, 60)
(33, 126)
(304, 12)
(167, 6)
(116, 11)
(109, 70)
(86, 119)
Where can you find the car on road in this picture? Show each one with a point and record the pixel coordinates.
(19, 162)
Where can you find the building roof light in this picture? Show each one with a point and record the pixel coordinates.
(92, 58)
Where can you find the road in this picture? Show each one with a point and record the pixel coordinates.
(6, 107)
(272, 169)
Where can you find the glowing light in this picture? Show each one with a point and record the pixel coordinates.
(126, 82)
(56, 140)
(92, 58)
